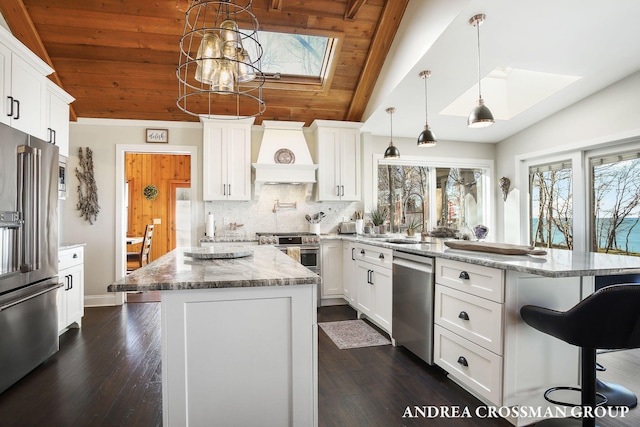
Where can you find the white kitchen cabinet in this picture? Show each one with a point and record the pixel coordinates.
(331, 272)
(374, 284)
(57, 117)
(243, 356)
(226, 162)
(481, 341)
(338, 157)
(71, 294)
(23, 86)
(349, 280)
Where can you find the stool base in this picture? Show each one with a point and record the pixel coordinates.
(617, 395)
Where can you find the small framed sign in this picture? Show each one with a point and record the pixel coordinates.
(158, 135)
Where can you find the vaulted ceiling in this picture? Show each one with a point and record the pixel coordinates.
(118, 58)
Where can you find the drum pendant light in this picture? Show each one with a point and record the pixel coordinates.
(426, 138)
(392, 151)
(480, 116)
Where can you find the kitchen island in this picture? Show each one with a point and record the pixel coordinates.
(479, 337)
(239, 337)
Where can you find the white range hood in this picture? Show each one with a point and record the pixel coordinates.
(284, 156)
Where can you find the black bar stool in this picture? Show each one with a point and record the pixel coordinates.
(607, 319)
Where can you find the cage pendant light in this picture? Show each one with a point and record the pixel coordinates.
(219, 71)
(426, 138)
(480, 116)
(392, 151)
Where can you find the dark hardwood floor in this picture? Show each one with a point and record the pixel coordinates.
(108, 374)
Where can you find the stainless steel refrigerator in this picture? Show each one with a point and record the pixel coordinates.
(28, 253)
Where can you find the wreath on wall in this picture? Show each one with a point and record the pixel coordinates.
(150, 192)
(87, 188)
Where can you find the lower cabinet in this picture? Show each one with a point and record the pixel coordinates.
(331, 272)
(349, 281)
(71, 294)
(240, 356)
(374, 284)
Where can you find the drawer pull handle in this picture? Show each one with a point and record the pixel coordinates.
(464, 275)
(463, 361)
(381, 256)
(361, 251)
(463, 315)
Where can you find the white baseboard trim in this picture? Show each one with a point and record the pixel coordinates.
(110, 299)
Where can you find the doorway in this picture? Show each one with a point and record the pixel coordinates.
(122, 205)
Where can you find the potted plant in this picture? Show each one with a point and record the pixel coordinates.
(413, 225)
(378, 217)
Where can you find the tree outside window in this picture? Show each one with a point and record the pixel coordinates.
(616, 204)
(551, 221)
(405, 190)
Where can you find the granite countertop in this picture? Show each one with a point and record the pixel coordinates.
(557, 262)
(266, 267)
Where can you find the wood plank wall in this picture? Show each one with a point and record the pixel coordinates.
(160, 170)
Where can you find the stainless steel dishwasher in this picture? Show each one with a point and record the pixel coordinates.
(413, 291)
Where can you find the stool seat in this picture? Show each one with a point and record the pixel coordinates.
(607, 319)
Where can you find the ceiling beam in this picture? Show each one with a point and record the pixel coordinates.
(353, 7)
(21, 25)
(380, 45)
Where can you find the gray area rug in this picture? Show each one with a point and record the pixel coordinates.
(353, 334)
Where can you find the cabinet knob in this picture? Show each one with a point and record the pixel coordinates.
(381, 256)
(463, 361)
(361, 251)
(464, 275)
(463, 315)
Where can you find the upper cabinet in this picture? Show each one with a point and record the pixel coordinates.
(23, 86)
(25, 98)
(57, 117)
(338, 156)
(226, 162)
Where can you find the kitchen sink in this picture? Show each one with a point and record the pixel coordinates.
(400, 241)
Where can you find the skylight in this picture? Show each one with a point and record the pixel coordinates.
(510, 91)
(295, 58)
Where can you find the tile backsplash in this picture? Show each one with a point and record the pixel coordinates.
(258, 215)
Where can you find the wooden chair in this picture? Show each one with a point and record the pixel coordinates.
(136, 260)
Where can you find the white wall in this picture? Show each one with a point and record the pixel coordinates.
(605, 118)
(102, 136)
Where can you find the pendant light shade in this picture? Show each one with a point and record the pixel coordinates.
(219, 72)
(426, 138)
(480, 116)
(392, 151)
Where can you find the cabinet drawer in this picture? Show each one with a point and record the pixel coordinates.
(483, 370)
(70, 257)
(375, 255)
(476, 319)
(485, 282)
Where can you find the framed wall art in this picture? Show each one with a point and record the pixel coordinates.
(158, 135)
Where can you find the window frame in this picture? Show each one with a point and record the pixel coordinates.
(488, 193)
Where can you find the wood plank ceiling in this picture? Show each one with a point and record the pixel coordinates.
(118, 58)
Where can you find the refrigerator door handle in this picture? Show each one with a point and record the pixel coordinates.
(30, 205)
(28, 297)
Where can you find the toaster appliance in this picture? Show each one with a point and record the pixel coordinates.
(347, 227)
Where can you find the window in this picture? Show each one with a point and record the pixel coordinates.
(551, 205)
(615, 203)
(295, 58)
(433, 196)
(403, 190)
